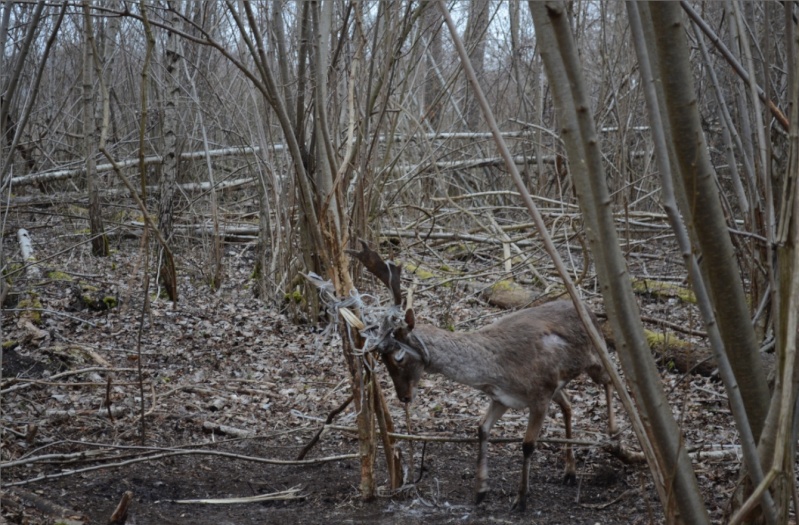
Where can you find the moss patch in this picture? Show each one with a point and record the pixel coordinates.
(663, 289)
(33, 308)
(59, 276)
(93, 298)
(418, 271)
(294, 296)
(679, 355)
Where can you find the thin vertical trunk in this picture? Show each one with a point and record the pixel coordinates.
(99, 240)
(476, 33)
(9, 87)
(664, 162)
(171, 154)
(680, 494)
(709, 226)
(778, 443)
(432, 86)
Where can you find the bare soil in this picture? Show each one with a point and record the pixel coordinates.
(220, 362)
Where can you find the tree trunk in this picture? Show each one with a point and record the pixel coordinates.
(476, 32)
(171, 154)
(432, 103)
(99, 239)
(778, 443)
(704, 212)
(680, 495)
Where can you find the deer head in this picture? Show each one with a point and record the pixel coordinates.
(404, 355)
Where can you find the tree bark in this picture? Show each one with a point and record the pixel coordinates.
(431, 103)
(681, 498)
(171, 154)
(99, 240)
(475, 39)
(704, 210)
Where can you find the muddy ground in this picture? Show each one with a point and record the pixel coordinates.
(224, 373)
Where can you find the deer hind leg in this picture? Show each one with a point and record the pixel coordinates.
(570, 474)
(534, 423)
(492, 415)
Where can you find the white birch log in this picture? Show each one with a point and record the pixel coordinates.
(26, 247)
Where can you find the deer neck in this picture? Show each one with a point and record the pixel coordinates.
(464, 357)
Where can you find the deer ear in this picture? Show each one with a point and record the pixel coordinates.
(410, 319)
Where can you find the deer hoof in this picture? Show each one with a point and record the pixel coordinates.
(570, 478)
(479, 497)
(519, 504)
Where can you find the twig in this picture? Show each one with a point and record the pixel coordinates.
(674, 326)
(623, 495)
(51, 312)
(292, 493)
(456, 439)
(15, 386)
(307, 448)
(228, 430)
(174, 453)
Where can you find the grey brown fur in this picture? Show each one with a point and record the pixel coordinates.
(523, 360)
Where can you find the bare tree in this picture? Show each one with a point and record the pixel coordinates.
(475, 38)
(99, 239)
(12, 75)
(705, 214)
(172, 58)
(563, 69)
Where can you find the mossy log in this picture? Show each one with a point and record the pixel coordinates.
(679, 355)
(663, 289)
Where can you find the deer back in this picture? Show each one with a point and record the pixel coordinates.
(517, 358)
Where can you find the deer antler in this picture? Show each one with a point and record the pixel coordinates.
(387, 272)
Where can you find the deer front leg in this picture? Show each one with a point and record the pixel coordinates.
(570, 475)
(534, 423)
(492, 415)
(612, 428)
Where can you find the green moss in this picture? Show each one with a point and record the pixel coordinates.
(460, 250)
(110, 302)
(11, 343)
(294, 296)
(11, 271)
(663, 289)
(663, 340)
(505, 285)
(33, 307)
(418, 271)
(59, 276)
(121, 216)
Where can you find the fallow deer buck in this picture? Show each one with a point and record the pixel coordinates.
(522, 360)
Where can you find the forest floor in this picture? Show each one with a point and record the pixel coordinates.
(233, 390)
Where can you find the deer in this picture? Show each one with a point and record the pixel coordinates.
(521, 361)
